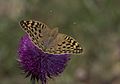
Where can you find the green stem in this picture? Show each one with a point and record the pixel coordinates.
(33, 81)
(39, 82)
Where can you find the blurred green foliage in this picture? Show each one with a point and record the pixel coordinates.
(94, 23)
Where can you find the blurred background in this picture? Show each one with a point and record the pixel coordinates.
(93, 23)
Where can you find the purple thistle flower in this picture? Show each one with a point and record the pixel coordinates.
(37, 64)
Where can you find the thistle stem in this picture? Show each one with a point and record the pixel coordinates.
(33, 81)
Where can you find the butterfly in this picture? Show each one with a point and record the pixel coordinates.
(50, 40)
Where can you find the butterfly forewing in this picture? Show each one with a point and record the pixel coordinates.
(64, 44)
(36, 31)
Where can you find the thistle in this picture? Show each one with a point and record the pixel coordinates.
(37, 64)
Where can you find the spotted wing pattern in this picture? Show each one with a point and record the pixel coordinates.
(37, 31)
(64, 44)
(49, 40)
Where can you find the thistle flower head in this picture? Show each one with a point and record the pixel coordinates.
(37, 64)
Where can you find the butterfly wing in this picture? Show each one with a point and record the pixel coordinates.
(49, 40)
(37, 31)
(64, 44)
